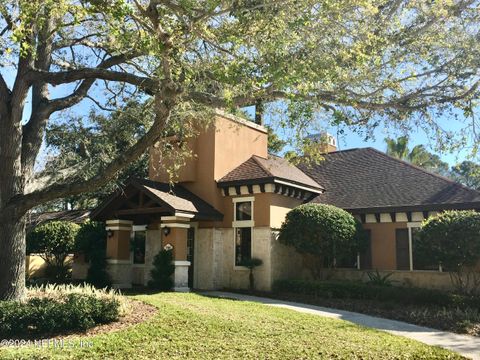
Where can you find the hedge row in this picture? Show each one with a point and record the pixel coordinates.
(363, 291)
(46, 315)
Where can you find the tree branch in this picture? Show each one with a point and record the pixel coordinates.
(4, 90)
(64, 77)
(22, 203)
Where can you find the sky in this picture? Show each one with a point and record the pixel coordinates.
(349, 139)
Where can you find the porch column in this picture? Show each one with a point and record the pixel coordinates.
(118, 252)
(174, 233)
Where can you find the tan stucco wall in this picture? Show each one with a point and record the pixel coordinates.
(178, 239)
(383, 244)
(218, 149)
(279, 207)
(118, 245)
(35, 266)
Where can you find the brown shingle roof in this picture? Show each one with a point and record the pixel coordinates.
(179, 199)
(260, 170)
(172, 198)
(361, 179)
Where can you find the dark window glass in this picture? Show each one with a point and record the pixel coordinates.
(402, 249)
(366, 255)
(139, 247)
(243, 211)
(243, 245)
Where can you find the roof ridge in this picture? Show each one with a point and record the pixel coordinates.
(345, 150)
(254, 157)
(438, 176)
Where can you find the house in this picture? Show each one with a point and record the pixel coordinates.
(231, 199)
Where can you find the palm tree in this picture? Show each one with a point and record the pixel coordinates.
(398, 148)
(418, 156)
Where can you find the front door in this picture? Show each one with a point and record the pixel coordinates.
(190, 254)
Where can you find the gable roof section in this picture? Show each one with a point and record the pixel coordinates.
(258, 170)
(172, 199)
(367, 179)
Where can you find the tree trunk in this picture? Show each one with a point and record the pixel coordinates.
(12, 257)
(12, 219)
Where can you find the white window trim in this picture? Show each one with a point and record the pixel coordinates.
(411, 225)
(132, 236)
(243, 223)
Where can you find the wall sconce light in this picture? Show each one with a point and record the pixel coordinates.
(166, 230)
(109, 233)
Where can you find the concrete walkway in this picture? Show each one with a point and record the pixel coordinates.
(466, 345)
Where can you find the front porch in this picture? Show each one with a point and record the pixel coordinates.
(142, 219)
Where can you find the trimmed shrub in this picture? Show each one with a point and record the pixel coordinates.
(54, 241)
(91, 240)
(58, 310)
(363, 291)
(331, 235)
(452, 239)
(163, 269)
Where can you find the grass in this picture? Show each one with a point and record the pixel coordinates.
(193, 326)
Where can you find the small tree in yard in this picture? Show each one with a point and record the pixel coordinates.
(53, 241)
(251, 264)
(323, 234)
(452, 239)
(91, 241)
(162, 271)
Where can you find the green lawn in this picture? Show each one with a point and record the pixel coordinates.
(193, 326)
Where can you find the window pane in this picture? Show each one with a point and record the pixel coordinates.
(243, 245)
(139, 247)
(243, 211)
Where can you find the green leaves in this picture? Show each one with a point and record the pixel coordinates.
(322, 230)
(451, 239)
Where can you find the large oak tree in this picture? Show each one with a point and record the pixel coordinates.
(357, 59)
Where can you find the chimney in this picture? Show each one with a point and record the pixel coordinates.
(325, 141)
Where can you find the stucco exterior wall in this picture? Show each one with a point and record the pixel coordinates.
(217, 152)
(279, 207)
(35, 266)
(384, 244)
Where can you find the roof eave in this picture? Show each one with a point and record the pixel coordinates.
(417, 207)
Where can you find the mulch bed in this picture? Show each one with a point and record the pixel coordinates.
(389, 310)
(138, 312)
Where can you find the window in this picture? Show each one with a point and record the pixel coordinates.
(243, 210)
(139, 247)
(243, 228)
(365, 261)
(243, 245)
